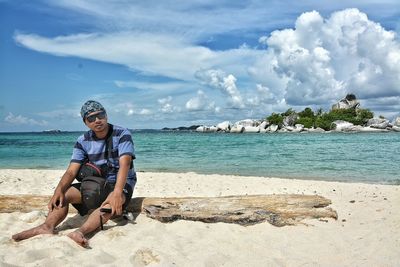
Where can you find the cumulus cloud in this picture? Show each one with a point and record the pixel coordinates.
(263, 95)
(200, 102)
(319, 61)
(226, 83)
(21, 120)
(167, 106)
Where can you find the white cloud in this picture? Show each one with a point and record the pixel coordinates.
(226, 83)
(167, 106)
(159, 54)
(151, 85)
(321, 60)
(315, 63)
(21, 120)
(200, 102)
(263, 95)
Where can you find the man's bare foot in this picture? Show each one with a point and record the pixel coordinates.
(79, 238)
(38, 230)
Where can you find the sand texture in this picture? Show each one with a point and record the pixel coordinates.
(366, 232)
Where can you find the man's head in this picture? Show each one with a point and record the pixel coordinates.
(89, 107)
(95, 117)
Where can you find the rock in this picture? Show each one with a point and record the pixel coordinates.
(342, 126)
(316, 130)
(290, 120)
(298, 128)
(371, 129)
(263, 125)
(201, 129)
(251, 129)
(237, 129)
(273, 128)
(378, 123)
(288, 128)
(396, 128)
(224, 126)
(350, 101)
(248, 122)
(206, 129)
(396, 122)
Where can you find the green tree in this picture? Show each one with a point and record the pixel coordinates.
(288, 112)
(275, 118)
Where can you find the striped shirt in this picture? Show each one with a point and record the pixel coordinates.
(90, 148)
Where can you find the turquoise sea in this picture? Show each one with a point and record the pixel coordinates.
(355, 157)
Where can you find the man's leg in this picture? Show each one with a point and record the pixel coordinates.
(54, 218)
(91, 224)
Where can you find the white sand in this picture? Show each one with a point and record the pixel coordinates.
(367, 232)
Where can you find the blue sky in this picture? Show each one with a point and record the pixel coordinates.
(157, 64)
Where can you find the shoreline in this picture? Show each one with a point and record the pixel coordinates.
(366, 232)
(394, 182)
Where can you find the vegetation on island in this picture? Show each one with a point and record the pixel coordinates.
(321, 119)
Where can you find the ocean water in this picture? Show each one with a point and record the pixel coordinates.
(355, 157)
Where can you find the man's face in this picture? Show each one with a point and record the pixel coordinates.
(96, 121)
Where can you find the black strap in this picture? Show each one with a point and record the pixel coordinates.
(109, 143)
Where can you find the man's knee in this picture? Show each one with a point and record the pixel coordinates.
(73, 195)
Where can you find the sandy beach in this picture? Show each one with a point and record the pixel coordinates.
(365, 234)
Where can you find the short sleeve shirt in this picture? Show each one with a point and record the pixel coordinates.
(90, 148)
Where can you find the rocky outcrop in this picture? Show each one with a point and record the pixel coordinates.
(290, 120)
(342, 126)
(378, 123)
(237, 129)
(396, 122)
(350, 101)
(205, 129)
(272, 128)
(224, 126)
(248, 122)
(251, 129)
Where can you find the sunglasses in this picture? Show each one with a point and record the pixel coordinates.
(93, 117)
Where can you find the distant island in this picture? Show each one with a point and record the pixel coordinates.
(52, 131)
(344, 116)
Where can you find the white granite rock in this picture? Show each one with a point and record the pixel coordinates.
(224, 126)
(378, 123)
(342, 126)
(251, 129)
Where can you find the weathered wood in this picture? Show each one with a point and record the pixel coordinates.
(279, 210)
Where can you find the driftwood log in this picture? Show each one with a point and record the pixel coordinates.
(279, 210)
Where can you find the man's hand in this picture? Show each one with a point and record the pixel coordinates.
(57, 200)
(115, 200)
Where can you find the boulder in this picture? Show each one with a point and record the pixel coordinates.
(378, 123)
(298, 128)
(342, 126)
(290, 120)
(248, 122)
(396, 122)
(263, 125)
(316, 130)
(273, 128)
(201, 129)
(237, 129)
(251, 129)
(396, 128)
(206, 129)
(224, 126)
(350, 101)
(372, 129)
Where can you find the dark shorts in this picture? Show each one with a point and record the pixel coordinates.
(108, 188)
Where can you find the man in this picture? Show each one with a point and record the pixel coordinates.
(120, 177)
